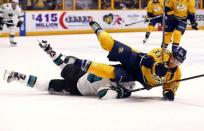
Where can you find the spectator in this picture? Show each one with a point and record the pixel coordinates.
(68, 5)
(40, 4)
(29, 4)
(105, 4)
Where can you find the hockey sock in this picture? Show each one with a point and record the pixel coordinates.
(31, 81)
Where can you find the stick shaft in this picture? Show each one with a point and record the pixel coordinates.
(184, 79)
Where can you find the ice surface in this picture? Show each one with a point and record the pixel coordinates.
(26, 109)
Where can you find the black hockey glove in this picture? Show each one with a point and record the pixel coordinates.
(168, 95)
(19, 23)
(122, 92)
(194, 26)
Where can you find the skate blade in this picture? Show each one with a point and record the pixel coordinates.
(6, 73)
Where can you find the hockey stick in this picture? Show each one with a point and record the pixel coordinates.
(9, 23)
(163, 31)
(184, 79)
(143, 20)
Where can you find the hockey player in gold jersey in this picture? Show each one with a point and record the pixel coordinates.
(154, 13)
(146, 68)
(177, 12)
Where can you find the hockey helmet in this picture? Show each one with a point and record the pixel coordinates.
(180, 54)
(15, 1)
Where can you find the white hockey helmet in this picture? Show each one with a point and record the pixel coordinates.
(15, 1)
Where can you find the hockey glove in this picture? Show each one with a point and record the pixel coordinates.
(19, 23)
(194, 26)
(109, 92)
(122, 92)
(168, 95)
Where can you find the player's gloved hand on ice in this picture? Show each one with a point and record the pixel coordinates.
(194, 26)
(168, 95)
(19, 23)
(112, 92)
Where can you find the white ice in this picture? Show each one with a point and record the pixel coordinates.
(26, 109)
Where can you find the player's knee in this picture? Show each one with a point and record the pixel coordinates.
(106, 41)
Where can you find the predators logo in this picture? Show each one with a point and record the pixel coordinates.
(181, 7)
(157, 9)
(108, 18)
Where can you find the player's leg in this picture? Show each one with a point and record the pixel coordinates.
(117, 73)
(177, 34)
(106, 41)
(27, 80)
(56, 57)
(169, 28)
(99, 69)
(12, 32)
(55, 86)
(150, 28)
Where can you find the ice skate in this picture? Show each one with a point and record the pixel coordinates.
(47, 48)
(144, 41)
(94, 25)
(10, 76)
(13, 43)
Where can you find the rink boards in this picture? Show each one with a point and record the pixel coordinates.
(76, 22)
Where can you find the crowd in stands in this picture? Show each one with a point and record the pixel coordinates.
(83, 4)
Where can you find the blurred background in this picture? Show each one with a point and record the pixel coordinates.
(87, 4)
(56, 17)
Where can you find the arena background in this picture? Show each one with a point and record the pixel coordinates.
(51, 17)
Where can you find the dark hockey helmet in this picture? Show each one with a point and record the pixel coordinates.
(180, 54)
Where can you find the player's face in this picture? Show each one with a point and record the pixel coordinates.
(173, 62)
(13, 4)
